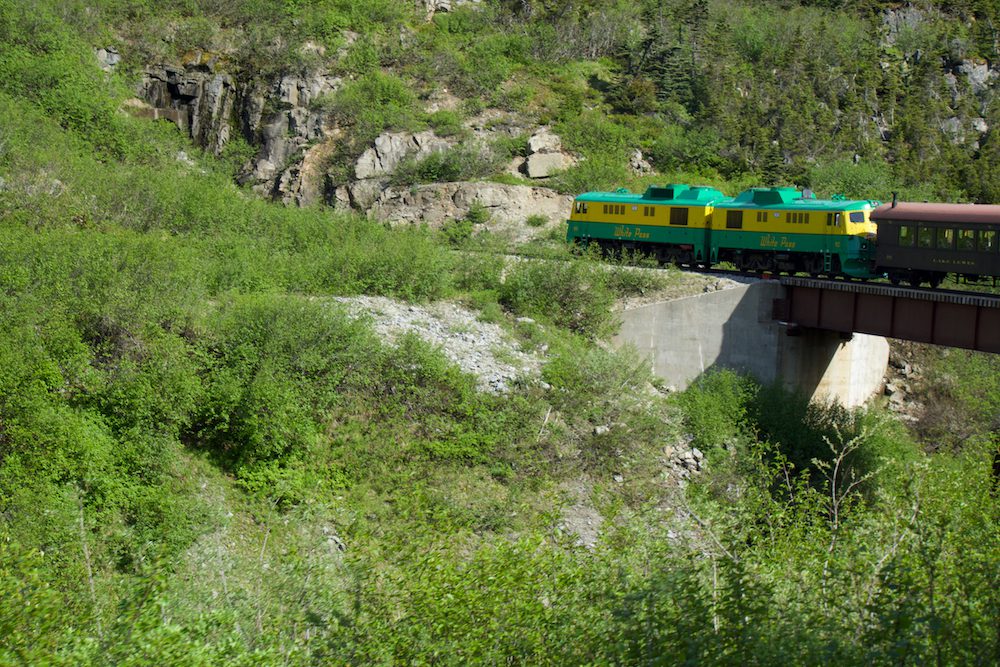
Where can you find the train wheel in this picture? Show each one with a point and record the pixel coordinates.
(894, 279)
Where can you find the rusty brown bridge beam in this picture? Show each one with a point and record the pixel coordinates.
(955, 319)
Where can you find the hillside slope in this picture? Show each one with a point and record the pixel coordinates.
(207, 457)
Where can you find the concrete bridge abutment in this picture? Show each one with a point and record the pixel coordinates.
(734, 328)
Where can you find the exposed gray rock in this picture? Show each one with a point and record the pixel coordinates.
(391, 149)
(953, 128)
(200, 99)
(544, 142)
(433, 204)
(108, 58)
(516, 166)
(637, 163)
(364, 194)
(342, 198)
(979, 75)
(546, 156)
(480, 348)
(434, 6)
(897, 21)
(542, 165)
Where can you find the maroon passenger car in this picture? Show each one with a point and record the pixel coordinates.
(923, 242)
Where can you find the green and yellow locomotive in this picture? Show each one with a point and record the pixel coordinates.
(762, 229)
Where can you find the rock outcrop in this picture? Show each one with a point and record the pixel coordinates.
(196, 97)
(390, 150)
(280, 118)
(508, 205)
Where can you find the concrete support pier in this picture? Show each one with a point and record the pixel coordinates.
(733, 328)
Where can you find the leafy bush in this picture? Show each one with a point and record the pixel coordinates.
(595, 174)
(457, 232)
(374, 103)
(464, 162)
(717, 409)
(573, 294)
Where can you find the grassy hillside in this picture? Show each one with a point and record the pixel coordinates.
(204, 460)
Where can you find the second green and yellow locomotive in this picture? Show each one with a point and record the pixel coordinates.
(761, 229)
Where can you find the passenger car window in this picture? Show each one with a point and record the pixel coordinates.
(925, 237)
(907, 236)
(988, 240)
(945, 238)
(966, 239)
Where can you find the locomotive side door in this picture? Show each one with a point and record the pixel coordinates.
(832, 239)
(711, 254)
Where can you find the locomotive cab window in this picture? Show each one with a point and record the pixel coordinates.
(966, 239)
(945, 238)
(907, 236)
(678, 216)
(925, 237)
(988, 240)
(857, 216)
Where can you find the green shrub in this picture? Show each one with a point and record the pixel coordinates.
(573, 294)
(446, 123)
(236, 154)
(374, 103)
(464, 162)
(600, 173)
(536, 220)
(717, 409)
(457, 232)
(278, 364)
(477, 214)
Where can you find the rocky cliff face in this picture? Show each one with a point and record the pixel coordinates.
(295, 139)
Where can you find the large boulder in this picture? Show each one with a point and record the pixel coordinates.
(546, 156)
(542, 165)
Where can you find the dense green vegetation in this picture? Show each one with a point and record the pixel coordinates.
(204, 460)
(835, 96)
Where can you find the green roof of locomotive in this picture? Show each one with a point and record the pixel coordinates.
(676, 194)
(679, 194)
(793, 200)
